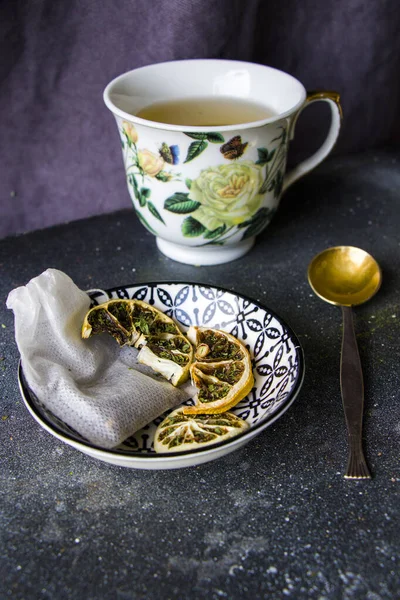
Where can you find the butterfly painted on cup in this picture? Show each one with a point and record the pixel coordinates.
(234, 148)
(169, 153)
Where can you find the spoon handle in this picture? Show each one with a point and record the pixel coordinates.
(352, 386)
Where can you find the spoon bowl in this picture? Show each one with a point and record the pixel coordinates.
(347, 276)
(344, 275)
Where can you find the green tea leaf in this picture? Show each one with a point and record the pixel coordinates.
(195, 149)
(143, 326)
(180, 203)
(188, 183)
(210, 235)
(155, 212)
(197, 136)
(215, 138)
(192, 228)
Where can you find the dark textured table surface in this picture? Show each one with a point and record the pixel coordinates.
(275, 519)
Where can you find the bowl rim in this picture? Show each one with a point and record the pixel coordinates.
(193, 62)
(240, 439)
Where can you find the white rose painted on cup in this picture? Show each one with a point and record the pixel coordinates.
(228, 194)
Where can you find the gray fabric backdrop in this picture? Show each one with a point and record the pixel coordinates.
(60, 156)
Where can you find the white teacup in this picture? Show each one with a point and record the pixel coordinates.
(206, 192)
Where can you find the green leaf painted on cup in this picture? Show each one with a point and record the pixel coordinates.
(210, 235)
(215, 138)
(133, 182)
(259, 215)
(192, 228)
(195, 149)
(145, 223)
(282, 136)
(214, 243)
(188, 183)
(257, 223)
(254, 229)
(265, 186)
(144, 194)
(163, 176)
(212, 136)
(275, 185)
(180, 203)
(155, 212)
(278, 184)
(196, 136)
(262, 156)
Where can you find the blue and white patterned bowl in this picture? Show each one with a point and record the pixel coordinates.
(278, 368)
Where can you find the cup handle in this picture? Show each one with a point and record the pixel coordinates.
(333, 98)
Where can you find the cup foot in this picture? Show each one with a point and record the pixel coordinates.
(204, 255)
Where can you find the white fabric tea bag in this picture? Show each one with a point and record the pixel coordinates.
(93, 385)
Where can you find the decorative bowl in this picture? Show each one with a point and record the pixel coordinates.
(277, 358)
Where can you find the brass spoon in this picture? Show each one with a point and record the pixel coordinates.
(347, 276)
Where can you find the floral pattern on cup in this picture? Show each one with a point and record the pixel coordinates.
(222, 199)
(142, 164)
(150, 163)
(227, 194)
(201, 143)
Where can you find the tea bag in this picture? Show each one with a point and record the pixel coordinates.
(92, 385)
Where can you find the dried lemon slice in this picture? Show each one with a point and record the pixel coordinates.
(179, 432)
(164, 348)
(222, 371)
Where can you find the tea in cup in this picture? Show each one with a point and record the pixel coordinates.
(205, 145)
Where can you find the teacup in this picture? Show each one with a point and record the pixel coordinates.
(206, 192)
